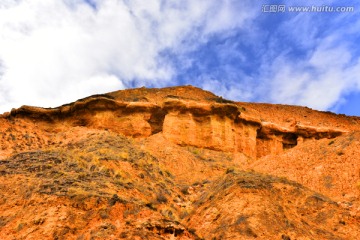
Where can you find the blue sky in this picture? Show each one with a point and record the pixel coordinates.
(56, 51)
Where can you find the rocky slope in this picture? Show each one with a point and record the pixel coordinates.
(178, 163)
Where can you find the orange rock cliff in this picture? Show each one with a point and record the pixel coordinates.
(219, 124)
(178, 163)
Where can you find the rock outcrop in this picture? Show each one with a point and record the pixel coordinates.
(218, 125)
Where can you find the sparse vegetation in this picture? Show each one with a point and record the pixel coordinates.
(161, 198)
(39, 221)
(230, 170)
(184, 190)
(19, 227)
(328, 181)
(104, 213)
(220, 100)
(184, 214)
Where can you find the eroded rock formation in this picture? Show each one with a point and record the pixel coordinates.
(178, 163)
(212, 125)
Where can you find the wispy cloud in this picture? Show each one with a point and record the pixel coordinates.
(303, 59)
(57, 51)
(317, 68)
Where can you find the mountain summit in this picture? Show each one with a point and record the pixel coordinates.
(178, 163)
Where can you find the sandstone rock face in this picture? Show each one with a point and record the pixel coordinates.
(246, 138)
(273, 139)
(178, 163)
(217, 126)
(207, 125)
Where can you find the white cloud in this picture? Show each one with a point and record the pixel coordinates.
(53, 51)
(230, 89)
(318, 81)
(316, 64)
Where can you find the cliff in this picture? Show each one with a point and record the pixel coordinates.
(177, 163)
(215, 123)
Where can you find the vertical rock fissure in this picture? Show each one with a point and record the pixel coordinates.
(156, 120)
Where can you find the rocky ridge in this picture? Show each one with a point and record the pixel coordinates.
(177, 163)
(219, 124)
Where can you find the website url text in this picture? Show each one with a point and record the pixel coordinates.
(276, 8)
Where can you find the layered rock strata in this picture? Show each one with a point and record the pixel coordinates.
(218, 126)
